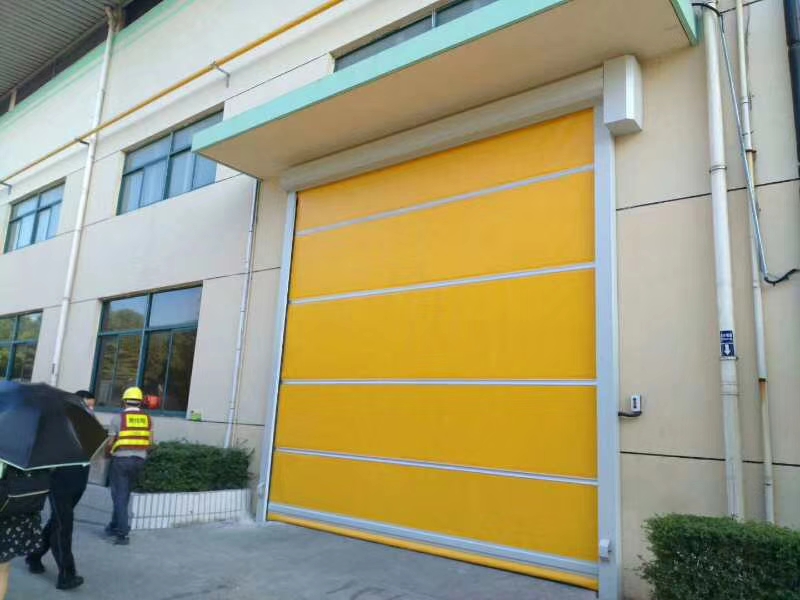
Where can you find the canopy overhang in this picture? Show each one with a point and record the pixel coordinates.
(502, 49)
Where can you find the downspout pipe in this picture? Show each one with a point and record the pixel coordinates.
(69, 283)
(729, 387)
(243, 310)
(758, 265)
(746, 134)
(791, 10)
(742, 108)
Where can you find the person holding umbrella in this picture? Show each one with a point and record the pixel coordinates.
(131, 440)
(41, 428)
(67, 485)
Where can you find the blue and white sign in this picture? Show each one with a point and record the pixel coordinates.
(727, 346)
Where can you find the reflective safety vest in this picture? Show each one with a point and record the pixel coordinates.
(135, 432)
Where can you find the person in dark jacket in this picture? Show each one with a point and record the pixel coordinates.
(66, 489)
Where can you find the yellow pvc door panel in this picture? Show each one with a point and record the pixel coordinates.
(524, 424)
(478, 331)
(544, 516)
(438, 385)
(514, 230)
(552, 147)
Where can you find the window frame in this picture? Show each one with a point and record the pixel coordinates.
(431, 15)
(144, 333)
(168, 158)
(431, 18)
(36, 212)
(15, 343)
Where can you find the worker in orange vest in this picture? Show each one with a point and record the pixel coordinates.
(131, 439)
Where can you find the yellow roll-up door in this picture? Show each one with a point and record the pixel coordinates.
(438, 384)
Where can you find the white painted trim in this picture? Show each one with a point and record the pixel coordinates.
(495, 551)
(608, 467)
(448, 283)
(424, 464)
(268, 442)
(534, 106)
(454, 382)
(445, 201)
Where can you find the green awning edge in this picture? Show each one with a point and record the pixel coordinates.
(480, 23)
(688, 19)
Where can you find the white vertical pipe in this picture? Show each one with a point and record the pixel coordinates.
(724, 277)
(758, 301)
(744, 85)
(69, 283)
(243, 306)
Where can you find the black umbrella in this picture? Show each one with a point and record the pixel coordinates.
(42, 426)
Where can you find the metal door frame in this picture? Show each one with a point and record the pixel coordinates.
(562, 98)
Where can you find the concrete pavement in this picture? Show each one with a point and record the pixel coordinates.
(244, 561)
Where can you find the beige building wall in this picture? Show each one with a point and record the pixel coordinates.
(197, 238)
(672, 457)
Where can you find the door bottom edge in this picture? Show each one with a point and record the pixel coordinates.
(539, 572)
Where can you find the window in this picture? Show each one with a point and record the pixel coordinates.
(456, 10)
(387, 41)
(166, 168)
(18, 337)
(34, 219)
(437, 18)
(148, 341)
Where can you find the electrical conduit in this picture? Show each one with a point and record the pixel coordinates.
(746, 135)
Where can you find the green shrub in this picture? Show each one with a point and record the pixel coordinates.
(184, 467)
(705, 558)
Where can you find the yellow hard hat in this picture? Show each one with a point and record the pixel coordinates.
(132, 394)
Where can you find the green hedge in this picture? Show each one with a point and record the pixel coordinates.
(184, 467)
(705, 558)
